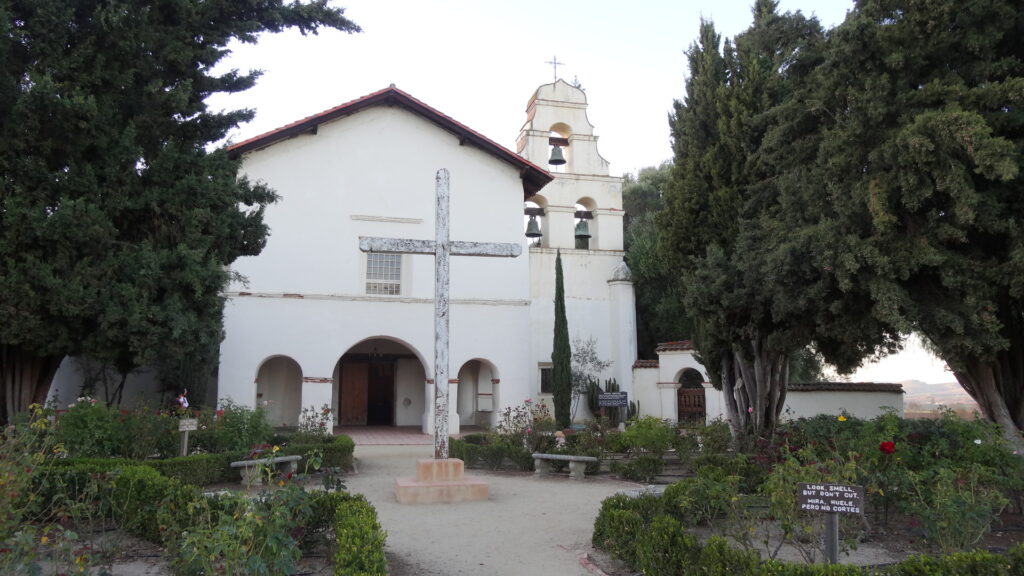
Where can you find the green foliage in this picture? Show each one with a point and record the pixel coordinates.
(336, 451)
(920, 144)
(90, 429)
(956, 507)
(561, 353)
(119, 215)
(199, 469)
(137, 493)
(231, 428)
(660, 315)
(702, 498)
(649, 434)
(666, 549)
(641, 468)
(360, 540)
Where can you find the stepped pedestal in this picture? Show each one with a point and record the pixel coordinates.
(439, 481)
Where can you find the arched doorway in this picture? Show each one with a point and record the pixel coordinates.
(279, 390)
(379, 382)
(690, 401)
(476, 395)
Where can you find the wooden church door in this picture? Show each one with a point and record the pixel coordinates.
(355, 377)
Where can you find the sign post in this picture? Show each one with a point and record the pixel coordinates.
(832, 499)
(184, 426)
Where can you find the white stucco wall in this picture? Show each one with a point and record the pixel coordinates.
(372, 174)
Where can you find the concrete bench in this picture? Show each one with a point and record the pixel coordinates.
(577, 464)
(250, 472)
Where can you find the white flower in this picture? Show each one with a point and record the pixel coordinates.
(977, 440)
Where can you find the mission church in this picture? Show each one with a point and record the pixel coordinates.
(318, 322)
(314, 321)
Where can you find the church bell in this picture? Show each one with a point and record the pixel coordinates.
(533, 228)
(556, 156)
(582, 229)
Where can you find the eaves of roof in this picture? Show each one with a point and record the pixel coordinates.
(534, 177)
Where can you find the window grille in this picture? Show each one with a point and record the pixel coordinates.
(384, 274)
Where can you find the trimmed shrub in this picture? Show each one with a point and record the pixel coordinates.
(138, 492)
(621, 520)
(199, 469)
(337, 451)
(643, 468)
(360, 539)
(666, 548)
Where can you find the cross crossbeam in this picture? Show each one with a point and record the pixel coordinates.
(407, 246)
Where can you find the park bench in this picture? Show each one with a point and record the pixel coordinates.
(577, 464)
(250, 470)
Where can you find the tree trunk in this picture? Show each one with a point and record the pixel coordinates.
(754, 380)
(996, 386)
(25, 378)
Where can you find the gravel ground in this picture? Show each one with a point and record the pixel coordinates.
(528, 526)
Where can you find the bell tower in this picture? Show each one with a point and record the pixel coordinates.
(580, 215)
(583, 199)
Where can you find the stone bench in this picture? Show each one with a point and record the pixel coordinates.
(250, 470)
(577, 464)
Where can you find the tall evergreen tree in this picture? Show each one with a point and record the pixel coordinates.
(660, 314)
(921, 158)
(746, 275)
(561, 353)
(117, 218)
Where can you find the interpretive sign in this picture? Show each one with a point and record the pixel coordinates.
(612, 400)
(833, 500)
(187, 424)
(838, 498)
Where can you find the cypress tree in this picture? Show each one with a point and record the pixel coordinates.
(561, 353)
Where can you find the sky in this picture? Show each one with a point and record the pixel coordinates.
(479, 62)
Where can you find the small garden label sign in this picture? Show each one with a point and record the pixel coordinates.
(832, 499)
(185, 425)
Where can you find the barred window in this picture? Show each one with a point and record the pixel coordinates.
(384, 274)
(547, 385)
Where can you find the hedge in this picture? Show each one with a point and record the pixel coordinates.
(635, 531)
(360, 539)
(337, 451)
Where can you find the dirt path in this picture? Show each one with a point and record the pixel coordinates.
(529, 526)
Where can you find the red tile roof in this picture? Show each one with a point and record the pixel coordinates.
(675, 346)
(845, 387)
(645, 364)
(534, 177)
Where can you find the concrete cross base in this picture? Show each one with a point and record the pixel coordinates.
(440, 481)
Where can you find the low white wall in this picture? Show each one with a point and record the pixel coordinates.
(645, 391)
(862, 404)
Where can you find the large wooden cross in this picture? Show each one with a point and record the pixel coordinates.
(441, 248)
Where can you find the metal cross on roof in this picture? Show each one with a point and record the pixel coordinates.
(441, 248)
(554, 64)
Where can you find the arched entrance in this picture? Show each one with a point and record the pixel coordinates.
(476, 393)
(379, 382)
(279, 390)
(690, 401)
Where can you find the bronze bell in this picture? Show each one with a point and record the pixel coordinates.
(556, 156)
(533, 228)
(582, 229)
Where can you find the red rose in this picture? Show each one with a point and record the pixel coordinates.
(887, 447)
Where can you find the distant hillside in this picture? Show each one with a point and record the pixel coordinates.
(924, 397)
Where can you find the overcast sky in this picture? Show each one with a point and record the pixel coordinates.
(480, 61)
